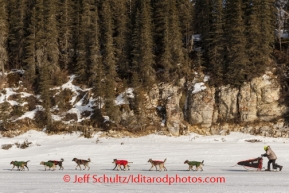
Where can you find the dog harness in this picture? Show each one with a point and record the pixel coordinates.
(49, 164)
(194, 163)
(16, 163)
(121, 162)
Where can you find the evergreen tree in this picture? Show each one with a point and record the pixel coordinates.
(81, 51)
(51, 50)
(94, 62)
(40, 40)
(161, 21)
(253, 30)
(88, 48)
(179, 64)
(168, 38)
(95, 65)
(122, 35)
(185, 12)
(17, 32)
(76, 28)
(236, 64)
(201, 16)
(30, 48)
(215, 42)
(109, 61)
(3, 35)
(268, 14)
(44, 90)
(142, 52)
(65, 42)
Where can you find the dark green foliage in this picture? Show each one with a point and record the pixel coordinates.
(3, 34)
(88, 49)
(105, 40)
(18, 25)
(65, 16)
(44, 90)
(142, 51)
(108, 59)
(30, 48)
(186, 18)
(236, 64)
(122, 35)
(110, 43)
(214, 48)
(253, 47)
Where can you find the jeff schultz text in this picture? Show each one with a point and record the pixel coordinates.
(167, 179)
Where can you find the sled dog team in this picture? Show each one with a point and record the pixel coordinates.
(51, 164)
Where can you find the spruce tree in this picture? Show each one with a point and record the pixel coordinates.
(185, 12)
(168, 38)
(236, 63)
(201, 16)
(95, 65)
(253, 30)
(122, 35)
(30, 48)
(142, 39)
(215, 42)
(179, 64)
(268, 20)
(17, 32)
(94, 60)
(3, 35)
(51, 50)
(162, 30)
(40, 39)
(45, 92)
(108, 59)
(65, 29)
(88, 47)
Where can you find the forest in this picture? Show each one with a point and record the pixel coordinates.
(139, 43)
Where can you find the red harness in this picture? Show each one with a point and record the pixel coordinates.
(122, 162)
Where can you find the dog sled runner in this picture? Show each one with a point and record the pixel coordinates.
(252, 164)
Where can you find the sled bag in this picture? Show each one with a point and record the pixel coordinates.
(254, 163)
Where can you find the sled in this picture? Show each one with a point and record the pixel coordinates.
(252, 164)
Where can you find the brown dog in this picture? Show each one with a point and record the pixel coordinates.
(58, 163)
(79, 162)
(156, 163)
(20, 164)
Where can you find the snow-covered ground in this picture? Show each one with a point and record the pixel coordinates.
(220, 155)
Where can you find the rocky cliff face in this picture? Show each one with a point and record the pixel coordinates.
(254, 108)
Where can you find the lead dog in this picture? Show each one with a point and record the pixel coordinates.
(79, 162)
(20, 164)
(119, 163)
(196, 164)
(48, 164)
(58, 163)
(156, 163)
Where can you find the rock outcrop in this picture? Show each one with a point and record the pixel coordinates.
(253, 108)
